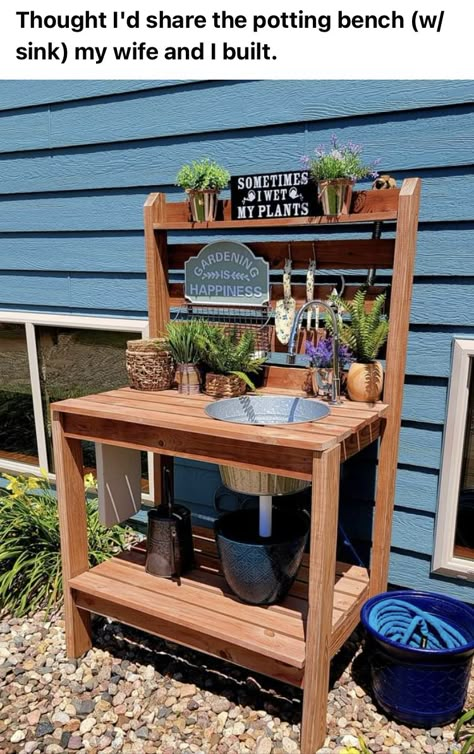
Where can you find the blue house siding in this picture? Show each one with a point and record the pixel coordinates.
(77, 160)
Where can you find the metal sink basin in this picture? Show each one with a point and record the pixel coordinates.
(267, 409)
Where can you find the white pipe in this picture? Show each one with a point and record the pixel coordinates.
(265, 515)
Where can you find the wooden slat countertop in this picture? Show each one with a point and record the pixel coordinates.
(168, 410)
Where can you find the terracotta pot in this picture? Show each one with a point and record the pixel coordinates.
(335, 196)
(188, 379)
(224, 385)
(203, 205)
(365, 381)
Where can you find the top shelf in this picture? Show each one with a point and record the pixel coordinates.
(367, 207)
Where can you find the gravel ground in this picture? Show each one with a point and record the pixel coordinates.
(136, 694)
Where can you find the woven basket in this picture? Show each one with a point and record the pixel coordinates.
(224, 385)
(149, 365)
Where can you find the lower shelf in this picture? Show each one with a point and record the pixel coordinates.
(200, 611)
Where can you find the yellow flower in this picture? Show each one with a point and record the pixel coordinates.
(89, 481)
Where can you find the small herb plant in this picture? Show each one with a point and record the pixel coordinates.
(340, 161)
(184, 340)
(321, 354)
(203, 175)
(468, 739)
(30, 557)
(229, 352)
(366, 332)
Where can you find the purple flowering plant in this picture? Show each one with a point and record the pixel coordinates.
(339, 161)
(321, 354)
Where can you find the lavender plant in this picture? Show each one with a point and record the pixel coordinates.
(340, 161)
(321, 355)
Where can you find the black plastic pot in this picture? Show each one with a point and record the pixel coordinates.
(261, 570)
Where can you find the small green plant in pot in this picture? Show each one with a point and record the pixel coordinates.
(203, 180)
(364, 335)
(184, 340)
(229, 358)
(335, 171)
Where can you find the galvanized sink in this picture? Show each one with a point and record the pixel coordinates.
(267, 409)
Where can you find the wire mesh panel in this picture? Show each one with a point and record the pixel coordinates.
(234, 319)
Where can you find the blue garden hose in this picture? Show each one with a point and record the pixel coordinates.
(406, 624)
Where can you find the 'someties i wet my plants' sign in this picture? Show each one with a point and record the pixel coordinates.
(271, 195)
(226, 272)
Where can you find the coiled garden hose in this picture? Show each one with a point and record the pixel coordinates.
(406, 624)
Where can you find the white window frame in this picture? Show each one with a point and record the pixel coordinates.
(444, 560)
(30, 320)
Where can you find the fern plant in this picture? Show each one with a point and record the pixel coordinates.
(366, 332)
(227, 351)
(30, 558)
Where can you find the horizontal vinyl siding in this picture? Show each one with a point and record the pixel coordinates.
(78, 158)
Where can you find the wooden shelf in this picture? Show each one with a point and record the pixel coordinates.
(203, 614)
(299, 222)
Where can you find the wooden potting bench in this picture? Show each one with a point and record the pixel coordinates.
(293, 641)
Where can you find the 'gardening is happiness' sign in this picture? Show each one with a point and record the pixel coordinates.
(226, 272)
(270, 195)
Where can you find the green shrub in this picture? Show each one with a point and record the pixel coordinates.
(201, 175)
(30, 560)
(466, 738)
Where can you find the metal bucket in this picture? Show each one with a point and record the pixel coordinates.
(249, 482)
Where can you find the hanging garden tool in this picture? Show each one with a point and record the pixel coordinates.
(310, 294)
(285, 308)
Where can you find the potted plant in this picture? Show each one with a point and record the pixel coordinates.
(335, 171)
(321, 364)
(203, 180)
(365, 335)
(183, 343)
(229, 358)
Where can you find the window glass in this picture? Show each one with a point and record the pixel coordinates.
(17, 425)
(76, 362)
(464, 539)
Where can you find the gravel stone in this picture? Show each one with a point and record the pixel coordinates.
(135, 694)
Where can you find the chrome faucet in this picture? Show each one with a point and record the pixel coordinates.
(335, 399)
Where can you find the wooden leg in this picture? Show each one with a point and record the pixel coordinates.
(322, 568)
(383, 512)
(73, 529)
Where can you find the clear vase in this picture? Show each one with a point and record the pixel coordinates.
(188, 379)
(335, 196)
(203, 205)
(322, 378)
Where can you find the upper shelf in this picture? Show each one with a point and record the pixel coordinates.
(367, 207)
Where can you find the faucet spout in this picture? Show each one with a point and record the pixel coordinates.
(335, 399)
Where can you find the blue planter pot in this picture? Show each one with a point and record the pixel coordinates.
(421, 687)
(261, 570)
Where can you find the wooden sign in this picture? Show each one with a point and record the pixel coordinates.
(226, 272)
(270, 195)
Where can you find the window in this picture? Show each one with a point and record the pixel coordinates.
(17, 424)
(46, 358)
(454, 542)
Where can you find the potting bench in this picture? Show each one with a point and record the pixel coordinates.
(293, 641)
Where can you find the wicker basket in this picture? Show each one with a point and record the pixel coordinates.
(224, 385)
(149, 365)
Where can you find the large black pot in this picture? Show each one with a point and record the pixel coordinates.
(261, 570)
